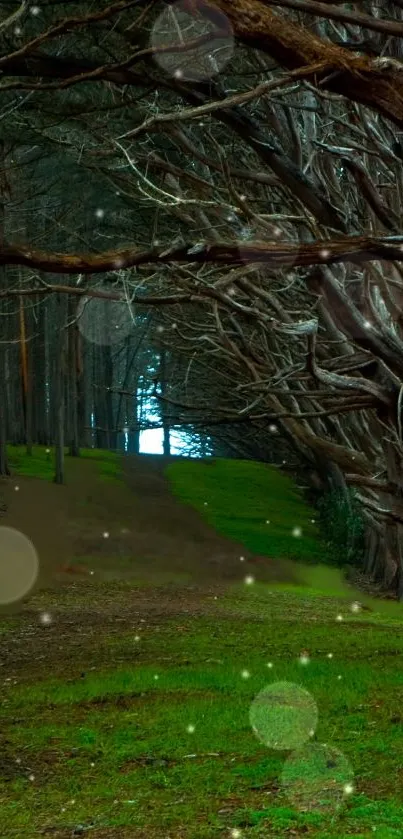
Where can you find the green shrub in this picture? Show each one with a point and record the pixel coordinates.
(343, 527)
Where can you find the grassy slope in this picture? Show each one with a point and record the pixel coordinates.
(41, 463)
(116, 741)
(242, 497)
(251, 503)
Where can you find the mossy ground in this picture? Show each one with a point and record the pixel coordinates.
(127, 715)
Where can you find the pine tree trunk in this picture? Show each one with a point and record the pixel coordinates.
(166, 444)
(4, 470)
(74, 450)
(59, 391)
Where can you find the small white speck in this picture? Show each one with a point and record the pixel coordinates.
(17, 30)
(92, 764)
(31, 777)
(330, 655)
(45, 618)
(137, 637)
(297, 532)
(348, 789)
(367, 324)
(245, 674)
(105, 534)
(156, 677)
(178, 74)
(355, 607)
(339, 677)
(267, 521)
(273, 428)
(99, 213)
(324, 253)
(16, 489)
(242, 559)
(35, 10)
(304, 659)
(206, 503)
(190, 729)
(313, 521)
(269, 665)
(249, 580)
(339, 618)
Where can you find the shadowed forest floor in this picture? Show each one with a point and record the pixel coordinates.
(126, 693)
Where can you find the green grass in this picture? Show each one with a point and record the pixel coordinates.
(241, 497)
(40, 464)
(99, 739)
(116, 740)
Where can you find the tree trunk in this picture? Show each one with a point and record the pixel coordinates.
(4, 470)
(74, 450)
(166, 444)
(59, 391)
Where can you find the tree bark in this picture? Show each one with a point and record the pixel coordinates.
(59, 392)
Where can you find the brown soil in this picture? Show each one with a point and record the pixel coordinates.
(149, 527)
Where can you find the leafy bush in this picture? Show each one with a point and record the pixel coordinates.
(343, 527)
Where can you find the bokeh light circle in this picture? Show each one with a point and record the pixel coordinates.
(317, 778)
(184, 22)
(19, 565)
(102, 321)
(283, 715)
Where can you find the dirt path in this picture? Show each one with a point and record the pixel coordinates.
(174, 534)
(160, 568)
(161, 560)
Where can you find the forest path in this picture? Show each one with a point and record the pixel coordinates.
(160, 560)
(175, 538)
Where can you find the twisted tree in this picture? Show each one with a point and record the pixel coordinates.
(236, 169)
